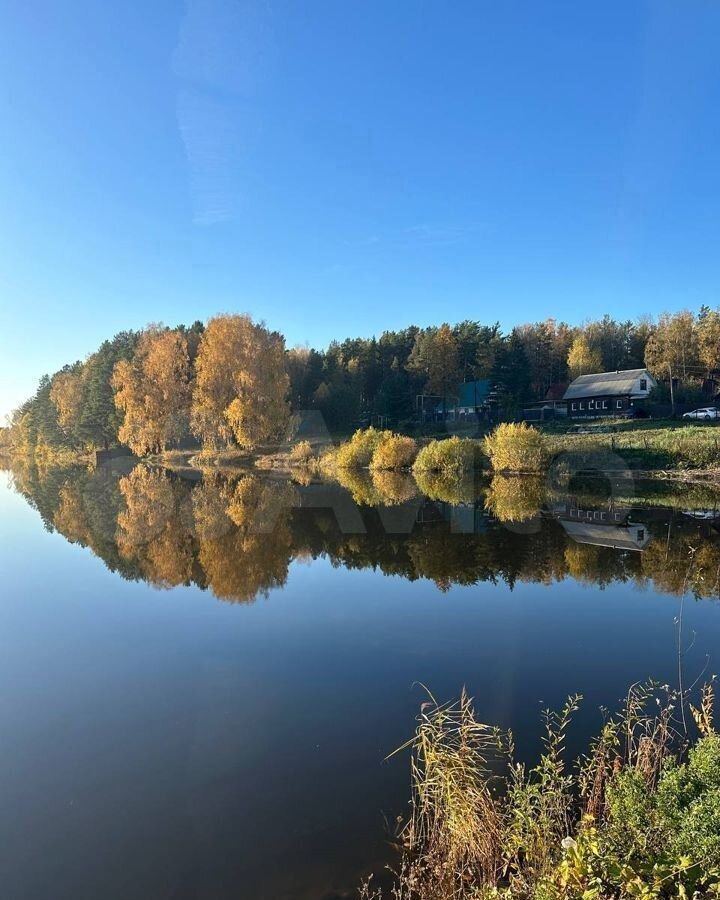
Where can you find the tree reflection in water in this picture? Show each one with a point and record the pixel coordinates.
(238, 534)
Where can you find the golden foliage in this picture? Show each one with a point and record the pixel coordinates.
(582, 358)
(395, 451)
(447, 487)
(301, 454)
(435, 355)
(70, 518)
(241, 384)
(455, 456)
(516, 447)
(66, 393)
(360, 484)
(155, 529)
(153, 390)
(245, 543)
(357, 453)
(514, 499)
(394, 487)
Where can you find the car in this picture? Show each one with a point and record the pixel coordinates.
(707, 412)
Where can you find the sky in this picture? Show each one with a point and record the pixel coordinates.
(342, 168)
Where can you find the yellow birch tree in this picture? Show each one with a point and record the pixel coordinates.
(241, 384)
(153, 390)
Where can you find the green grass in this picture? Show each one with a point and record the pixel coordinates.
(561, 426)
(681, 447)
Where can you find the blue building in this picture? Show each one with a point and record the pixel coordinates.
(474, 400)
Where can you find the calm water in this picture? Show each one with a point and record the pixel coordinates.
(201, 678)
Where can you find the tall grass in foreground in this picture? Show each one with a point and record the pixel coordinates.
(637, 817)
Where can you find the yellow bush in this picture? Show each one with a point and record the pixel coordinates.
(357, 453)
(454, 456)
(327, 463)
(394, 487)
(516, 447)
(395, 451)
(360, 484)
(515, 499)
(301, 454)
(447, 488)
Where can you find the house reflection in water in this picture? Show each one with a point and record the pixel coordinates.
(609, 527)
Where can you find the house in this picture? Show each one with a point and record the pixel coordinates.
(474, 400)
(633, 536)
(608, 393)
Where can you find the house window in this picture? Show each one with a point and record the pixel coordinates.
(643, 384)
(619, 404)
(641, 534)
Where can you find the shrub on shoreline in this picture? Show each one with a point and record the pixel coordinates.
(454, 456)
(357, 453)
(394, 452)
(301, 454)
(516, 447)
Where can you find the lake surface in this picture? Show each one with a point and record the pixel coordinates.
(202, 676)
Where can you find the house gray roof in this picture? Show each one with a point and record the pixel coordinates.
(604, 384)
(614, 536)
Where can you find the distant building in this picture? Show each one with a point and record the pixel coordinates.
(473, 401)
(550, 408)
(608, 393)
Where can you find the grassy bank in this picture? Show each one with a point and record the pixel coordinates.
(636, 816)
(678, 448)
(670, 451)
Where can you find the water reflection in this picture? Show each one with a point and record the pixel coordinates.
(238, 534)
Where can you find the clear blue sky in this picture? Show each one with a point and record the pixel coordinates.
(339, 168)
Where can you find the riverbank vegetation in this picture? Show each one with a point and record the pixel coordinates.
(454, 457)
(672, 447)
(453, 467)
(232, 384)
(516, 447)
(636, 816)
(394, 453)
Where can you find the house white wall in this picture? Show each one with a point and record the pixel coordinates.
(638, 390)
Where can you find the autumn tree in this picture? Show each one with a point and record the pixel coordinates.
(672, 348)
(708, 333)
(241, 384)
(66, 392)
(582, 358)
(153, 391)
(435, 356)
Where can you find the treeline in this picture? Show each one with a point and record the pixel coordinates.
(233, 382)
(224, 383)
